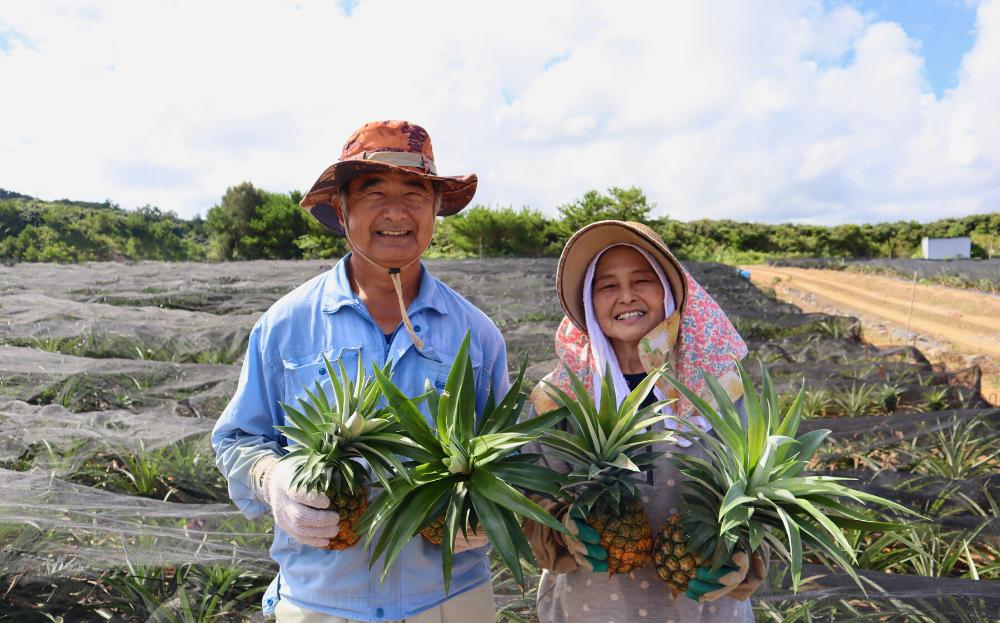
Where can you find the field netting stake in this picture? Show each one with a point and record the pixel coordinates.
(909, 316)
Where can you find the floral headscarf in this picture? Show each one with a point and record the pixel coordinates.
(697, 338)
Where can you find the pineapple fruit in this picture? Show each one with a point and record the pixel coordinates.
(754, 485)
(434, 533)
(332, 437)
(608, 446)
(469, 475)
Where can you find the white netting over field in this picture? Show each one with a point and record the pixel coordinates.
(111, 377)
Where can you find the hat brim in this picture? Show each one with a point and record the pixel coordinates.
(585, 244)
(322, 198)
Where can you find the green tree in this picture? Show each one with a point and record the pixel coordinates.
(623, 204)
(502, 231)
(229, 221)
(274, 229)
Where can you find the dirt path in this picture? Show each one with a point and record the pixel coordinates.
(956, 327)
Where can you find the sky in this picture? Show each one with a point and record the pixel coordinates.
(814, 111)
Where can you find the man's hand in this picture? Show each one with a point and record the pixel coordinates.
(297, 512)
(584, 544)
(740, 579)
(473, 540)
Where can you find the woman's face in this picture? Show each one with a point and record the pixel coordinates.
(628, 295)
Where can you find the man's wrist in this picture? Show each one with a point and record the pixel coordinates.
(258, 477)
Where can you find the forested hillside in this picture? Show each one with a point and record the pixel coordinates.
(251, 223)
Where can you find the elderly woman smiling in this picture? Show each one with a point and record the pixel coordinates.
(631, 308)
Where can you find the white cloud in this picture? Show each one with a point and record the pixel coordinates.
(760, 110)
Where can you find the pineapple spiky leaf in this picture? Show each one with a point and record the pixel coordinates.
(471, 475)
(753, 482)
(608, 446)
(332, 441)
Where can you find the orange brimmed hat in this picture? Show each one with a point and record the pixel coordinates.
(385, 146)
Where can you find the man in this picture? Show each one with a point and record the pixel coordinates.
(378, 303)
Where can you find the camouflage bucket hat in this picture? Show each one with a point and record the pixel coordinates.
(385, 146)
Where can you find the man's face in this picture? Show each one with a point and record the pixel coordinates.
(390, 216)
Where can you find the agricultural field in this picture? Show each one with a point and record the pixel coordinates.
(983, 275)
(111, 377)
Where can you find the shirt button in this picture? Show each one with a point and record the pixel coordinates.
(322, 371)
(416, 328)
(379, 612)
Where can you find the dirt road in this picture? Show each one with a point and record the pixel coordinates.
(963, 326)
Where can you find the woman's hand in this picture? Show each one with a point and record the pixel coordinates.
(562, 553)
(738, 580)
(584, 544)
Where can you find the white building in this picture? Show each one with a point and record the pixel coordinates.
(947, 248)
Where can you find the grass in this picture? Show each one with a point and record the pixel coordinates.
(816, 403)
(182, 472)
(855, 402)
(186, 594)
(936, 399)
(886, 398)
(967, 449)
(98, 346)
(930, 551)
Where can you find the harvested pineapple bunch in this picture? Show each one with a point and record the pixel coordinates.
(331, 438)
(608, 446)
(753, 486)
(467, 474)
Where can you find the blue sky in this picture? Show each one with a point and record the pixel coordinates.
(944, 29)
(820, 111)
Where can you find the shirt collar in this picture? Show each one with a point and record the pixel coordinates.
(338, 293)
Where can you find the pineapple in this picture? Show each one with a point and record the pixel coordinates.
(469, 474)
(752, 485)
(609, 445)
(434, 533)
(332, 438)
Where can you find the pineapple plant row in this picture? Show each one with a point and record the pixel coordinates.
(609, 445)
(467, 474)
(753, 487)
(333, 437)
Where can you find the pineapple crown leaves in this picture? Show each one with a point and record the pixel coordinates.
(609, 442)
(469, 471)
(330, 434)
(755, 479)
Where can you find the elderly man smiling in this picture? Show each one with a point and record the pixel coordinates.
(380, 304)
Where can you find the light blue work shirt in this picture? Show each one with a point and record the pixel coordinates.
(285, 354)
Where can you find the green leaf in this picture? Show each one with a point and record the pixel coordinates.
(623, 462)
(408, 415)
(491, 519)
(509, 498)
(734, 497)
(794, 543)
(407, 524)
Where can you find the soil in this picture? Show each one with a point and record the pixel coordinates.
(955, 327)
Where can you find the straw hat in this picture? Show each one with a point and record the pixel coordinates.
(385, 146)
(594, 238)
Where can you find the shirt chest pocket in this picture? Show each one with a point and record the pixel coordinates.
(438, 371)
(306, 371)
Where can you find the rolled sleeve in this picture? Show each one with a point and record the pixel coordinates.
(245, 431)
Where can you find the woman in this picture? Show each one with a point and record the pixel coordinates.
(631, 306)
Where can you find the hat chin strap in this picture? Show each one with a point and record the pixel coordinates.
(393, 276)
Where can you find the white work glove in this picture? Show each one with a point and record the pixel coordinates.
(295, 511)
(474, 541)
